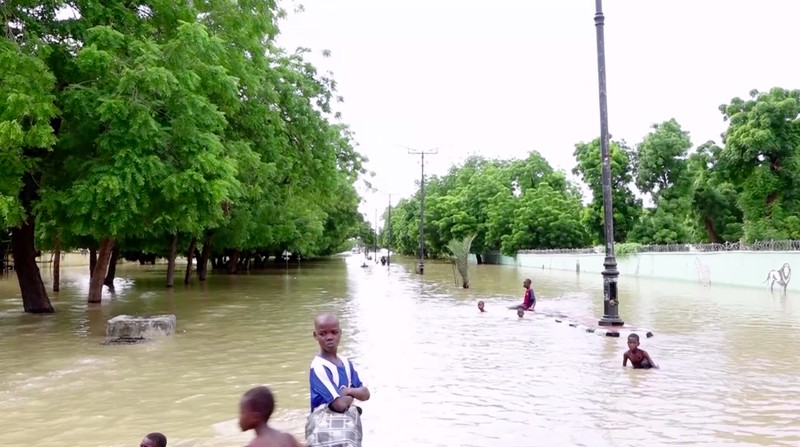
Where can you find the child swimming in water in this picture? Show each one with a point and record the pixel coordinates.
(520, 312)
(480, 306)
(639, 358)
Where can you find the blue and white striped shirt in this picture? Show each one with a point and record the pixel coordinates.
(326, 379)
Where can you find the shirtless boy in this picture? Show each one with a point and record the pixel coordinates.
(639, 358)
(255, 410)
(480, 306)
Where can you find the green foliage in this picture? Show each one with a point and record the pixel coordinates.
(714, 200)
(762, 145)
(138, 121)
(459, 254)
(506, 205)
(747, 189)
(27, 104)
(145, 120)
(662, 172)
(625, 204)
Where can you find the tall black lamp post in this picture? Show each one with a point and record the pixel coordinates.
(610, 272)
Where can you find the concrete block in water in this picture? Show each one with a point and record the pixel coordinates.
(126, 328)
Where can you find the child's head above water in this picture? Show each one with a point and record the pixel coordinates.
(255, 408)
(520, 312)
(480, 306)
(633, 342)
(154, 440)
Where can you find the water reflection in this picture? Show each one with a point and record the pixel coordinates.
(441, 373)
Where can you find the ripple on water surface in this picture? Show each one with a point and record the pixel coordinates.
(441, 373)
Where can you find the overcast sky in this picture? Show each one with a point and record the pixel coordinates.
(505, 77)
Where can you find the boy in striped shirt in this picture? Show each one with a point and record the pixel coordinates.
(333, 379)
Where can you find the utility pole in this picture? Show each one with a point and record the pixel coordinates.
(422, 154)
(389, 242)
(610, 272)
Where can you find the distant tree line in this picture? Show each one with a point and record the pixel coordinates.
(747, 188)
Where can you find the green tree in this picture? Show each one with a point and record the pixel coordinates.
(492, 201)
(761, 155)
(714, 200)
(546, 218)
(166, 126)
(26, 137)
(626, 206)
(662, 172)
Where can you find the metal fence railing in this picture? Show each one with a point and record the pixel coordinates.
(785, 245)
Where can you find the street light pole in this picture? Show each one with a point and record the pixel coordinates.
(421, 265)
(610, 272)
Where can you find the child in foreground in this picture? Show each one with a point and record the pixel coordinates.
(639, 358)
(255, 410)
(480, 306)
(333, 380)
(334, 384)
(520, 312)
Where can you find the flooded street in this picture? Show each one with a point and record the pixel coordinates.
(441, 374)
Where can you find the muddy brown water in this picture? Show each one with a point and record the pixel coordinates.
(441, 374)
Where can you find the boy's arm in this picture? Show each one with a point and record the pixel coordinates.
(361, 393)
(652, 363)
(624, 359)
(342, 403)
(358, 390)
(323, 385)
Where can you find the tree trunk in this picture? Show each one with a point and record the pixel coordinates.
(92, 261)
(479, 258)
(100, 270)
(34, 295)
(189, 259)
(112, 267)
(712, 232)
(57, 265)
(202, 267)
(173, 252)
(233, 267)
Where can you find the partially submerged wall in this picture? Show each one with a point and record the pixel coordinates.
(736, 268)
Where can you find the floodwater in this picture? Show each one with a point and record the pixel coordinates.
(441, 374)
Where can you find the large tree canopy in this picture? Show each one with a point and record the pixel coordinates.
(166, 127)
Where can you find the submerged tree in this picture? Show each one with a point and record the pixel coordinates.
(459, 254)
(165, 128)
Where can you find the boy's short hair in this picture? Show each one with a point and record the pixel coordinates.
(261, 401)
(158, 438)
(633, 337)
